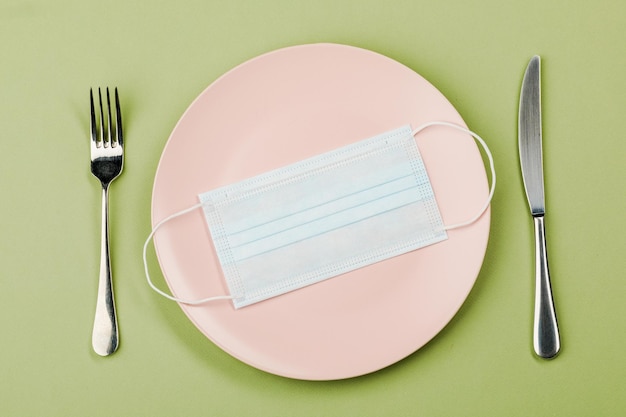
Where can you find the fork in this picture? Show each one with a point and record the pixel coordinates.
(107, 160)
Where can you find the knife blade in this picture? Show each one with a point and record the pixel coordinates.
(546, 339)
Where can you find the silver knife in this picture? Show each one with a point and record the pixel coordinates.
(546, 340)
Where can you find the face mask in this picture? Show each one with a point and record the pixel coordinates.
(322, 217)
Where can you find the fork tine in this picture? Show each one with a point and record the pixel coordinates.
(118, 123)
(109, 125)
(92, 121)
(101, 124)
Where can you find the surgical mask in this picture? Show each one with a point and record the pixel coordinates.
(322, 217)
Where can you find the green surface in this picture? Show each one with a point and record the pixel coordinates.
(161, 56)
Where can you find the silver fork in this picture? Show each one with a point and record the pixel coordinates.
(107, 160)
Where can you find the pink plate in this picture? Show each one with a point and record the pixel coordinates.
(286, 106)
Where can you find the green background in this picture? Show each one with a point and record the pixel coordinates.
(161, 55)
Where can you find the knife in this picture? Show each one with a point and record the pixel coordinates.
(546, 341)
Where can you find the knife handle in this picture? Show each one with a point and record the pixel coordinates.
(546, 339)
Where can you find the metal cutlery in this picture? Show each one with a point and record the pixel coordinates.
(546, 340)
(107, 160)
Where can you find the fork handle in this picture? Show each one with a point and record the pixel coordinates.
(546, 339)
(105, 336)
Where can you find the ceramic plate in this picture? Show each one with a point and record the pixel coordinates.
(286, 106)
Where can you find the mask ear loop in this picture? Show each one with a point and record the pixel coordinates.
(145, 262)
(491, 166)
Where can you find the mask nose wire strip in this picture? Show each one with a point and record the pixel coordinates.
(491, 166)
(145, 262)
